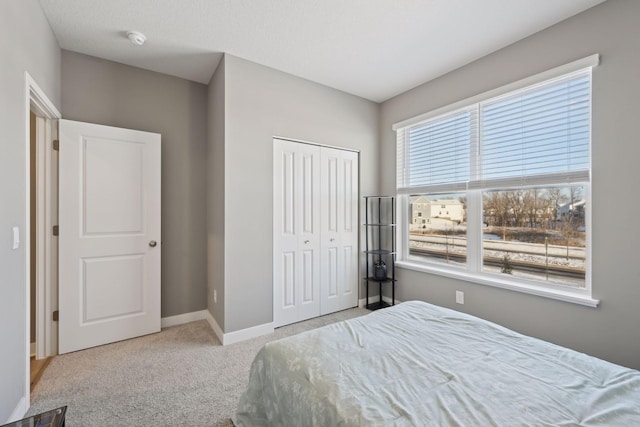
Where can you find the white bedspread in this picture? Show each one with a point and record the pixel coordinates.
(417, 364)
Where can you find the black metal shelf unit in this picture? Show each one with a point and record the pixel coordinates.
(380, 246)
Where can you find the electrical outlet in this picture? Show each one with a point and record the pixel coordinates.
(215, 296)
(460, 297)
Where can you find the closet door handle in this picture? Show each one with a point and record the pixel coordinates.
(332, 239)
(306, 242)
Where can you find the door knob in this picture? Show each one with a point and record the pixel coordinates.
(153, 243)
(306, 242)
(332, 239)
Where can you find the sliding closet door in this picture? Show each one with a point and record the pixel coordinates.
(339, 225)
(296, 232)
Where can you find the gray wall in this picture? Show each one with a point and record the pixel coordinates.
(216, 194)
(611, 330)
(26, 44)
(261, 103)
(108, 93)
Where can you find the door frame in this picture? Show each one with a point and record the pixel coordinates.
(46, 115)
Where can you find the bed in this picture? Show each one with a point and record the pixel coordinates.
(417, 364)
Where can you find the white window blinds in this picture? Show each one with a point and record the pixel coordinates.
(436, 153)
(537, 135)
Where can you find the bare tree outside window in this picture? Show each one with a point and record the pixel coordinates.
(542, 231)
(536, 233)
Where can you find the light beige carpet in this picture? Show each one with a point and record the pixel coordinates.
(181, 376)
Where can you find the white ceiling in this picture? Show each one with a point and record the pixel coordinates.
(375, 49)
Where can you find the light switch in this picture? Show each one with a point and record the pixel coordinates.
(16, 237)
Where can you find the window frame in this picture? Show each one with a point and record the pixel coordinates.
(472, 271)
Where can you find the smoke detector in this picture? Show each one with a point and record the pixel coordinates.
(136, 38)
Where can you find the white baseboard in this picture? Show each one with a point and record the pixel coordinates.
(216, 328)
(248, 333)
(19, 411)
(376, 298)
(362, 301)
(180, 319)
(388, 300)
(241, 335)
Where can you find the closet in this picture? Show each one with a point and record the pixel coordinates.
(315, 230)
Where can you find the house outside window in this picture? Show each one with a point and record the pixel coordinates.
(512, 173)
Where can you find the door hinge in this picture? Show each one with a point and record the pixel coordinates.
(56, 145)
(56, 315)
(56, 230)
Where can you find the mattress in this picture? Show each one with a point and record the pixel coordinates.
(416, 364)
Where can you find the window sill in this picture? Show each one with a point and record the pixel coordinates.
(572, 296)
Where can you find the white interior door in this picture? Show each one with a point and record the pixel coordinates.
(339, 228)
(296, 232)
(109, 239)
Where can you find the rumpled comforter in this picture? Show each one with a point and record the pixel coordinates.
(416, 364)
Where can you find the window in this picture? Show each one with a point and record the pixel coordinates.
(445, 239)
(536, 233)
(511, 169)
